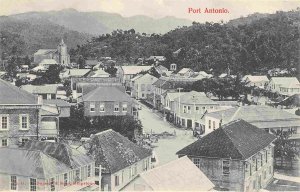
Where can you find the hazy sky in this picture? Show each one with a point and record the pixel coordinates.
(153, 8)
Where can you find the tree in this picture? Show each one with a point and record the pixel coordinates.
(285, 149)
(111, 70)
(81, 62)
(77, 125)
(51, 76)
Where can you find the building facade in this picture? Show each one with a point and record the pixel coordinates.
(236, 157)
(142, 86)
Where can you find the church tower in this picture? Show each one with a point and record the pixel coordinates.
(63, 56)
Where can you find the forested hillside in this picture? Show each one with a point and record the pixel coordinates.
(267, 42)
(22, 38)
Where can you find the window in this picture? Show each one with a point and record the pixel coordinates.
(130, 172)
(32, 184)
(4, 142)
(225, 166)
(184, 109)
(88, 171)
(270, 170)
(256, 166)
(102, 109)
(211, 107)
(24, 140)
(196, 162)
(135, 169)
(116, 109)
(65, 179)
(24, 122)
(92, 107)
(124, 107)
(77, 175)
(261, 159)
(117, 180)
(189, 109)
(52, 186)
(266, 154)
(13, 183)
(209, 124)
(197, 109)
(248, 168)
(4, 123)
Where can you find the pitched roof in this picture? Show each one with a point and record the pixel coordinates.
(106, 94)
(78, 72)
(61, 152)
(184, 70)
(173, 95)
(99, 73)
(285, 81)
(45, 51)
(167, 84)
(57, 102)
(178, 175)
(236, 140)
(48, 62)
(30, 163)
(146, 77)
(161, 69)
(115, 152)
(195, 97)
(41, 89)
(11, 94)
(131, 70)
(261, 116)
(257, 78)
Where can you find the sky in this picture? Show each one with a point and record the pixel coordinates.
(155, 8)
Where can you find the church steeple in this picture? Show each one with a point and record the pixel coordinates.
(62, 42)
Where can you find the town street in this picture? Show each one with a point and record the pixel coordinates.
(165, 149)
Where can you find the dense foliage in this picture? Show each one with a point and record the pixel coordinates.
(19, 38)
(269, 42)
(80, 126)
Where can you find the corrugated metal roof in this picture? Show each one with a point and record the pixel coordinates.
(260, 115)
(178, 175)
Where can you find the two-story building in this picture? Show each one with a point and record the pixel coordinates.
(142, 86)
(167, 84)
(121, 159)
(23, 117)
(190, 107)
(236, 157)
(286, 86)
(19, 115)
(264, 117)
(45, 166)
(106, 101)
(83, 85)
(125, 73)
